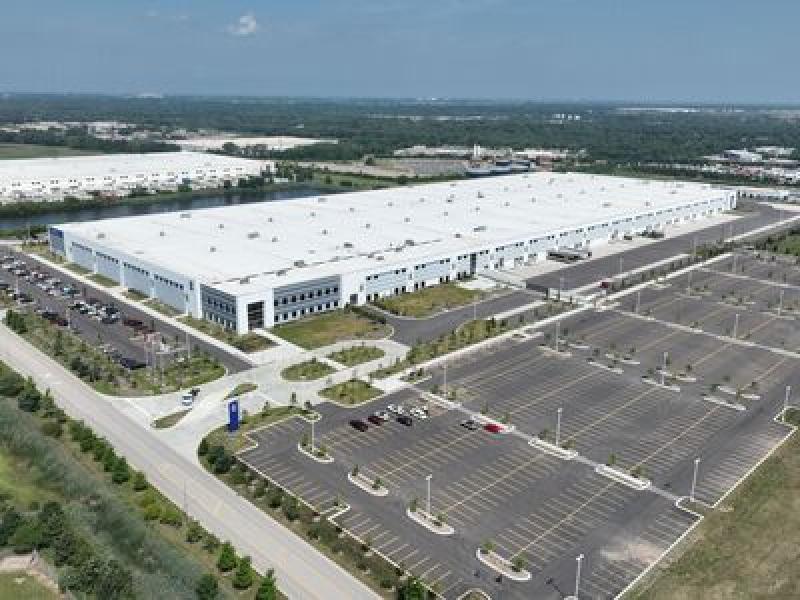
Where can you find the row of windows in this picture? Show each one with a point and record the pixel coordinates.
(136, 269)
(227, 323)
(306, 296)
(108, 258)
(225, 307)
(169, 282)
(300, 312)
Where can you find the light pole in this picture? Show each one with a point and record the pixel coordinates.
(558, 331)
(558, 426)
(736, 326)
(780, 303)
(638, 300)
(560, 287)
(694, 479)
(428, 503)
(579, 560)
(620, 265)
(733, 267)
(664, 369)
(444, 383)
(313, 445)
(786, 401)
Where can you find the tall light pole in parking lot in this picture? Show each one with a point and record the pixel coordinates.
(444, 379)
(188, 347)
(694, 479)
(558, 426)
(689, 282)
(428, 504)
(558, 332)
(313, 445)
(620, 266)
(736, 326)
(733, 267)
(579, 560)
(664, 369)
(638, 300)
(786, 401)
(780, 302)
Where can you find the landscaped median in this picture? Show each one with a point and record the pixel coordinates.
(307, 371)
(356, 355)
(351, 392)
(514, 569)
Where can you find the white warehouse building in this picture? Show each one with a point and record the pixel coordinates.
(256, 265)
(49, 179)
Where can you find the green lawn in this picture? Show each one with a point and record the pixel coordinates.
(157, 305)
(429, 300)
(248, 342)
(307, 371)
(170, 420)
(241, 389)
(351, 392)
(355, 355)
(329, 328)
(103, 280)
(75, 268)
(747, 548)
(234, 442)
(16, 151)
(21, 586)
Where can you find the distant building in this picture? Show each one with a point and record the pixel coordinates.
(272, 143)
(742, 156)
(52, 179)
(775, 151)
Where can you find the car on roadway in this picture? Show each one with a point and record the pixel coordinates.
(405, 420)
(397, 409)
(419, 413)
(493, 428)
(382, 415)
(375, 420)
(358, 425)
(187, 399)
(470, 424)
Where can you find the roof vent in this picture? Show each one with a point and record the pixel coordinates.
(407, 219)
(221, 226)
(410, 242)
(480, 194)
(212, 249)
(253, 235)
(244, 281)
(101, 236)
(324, 232)
(367, 225)
(162, 234)
(186, 215)
(352, 209)
(274, 238)
(300, 263)
(322, 199)
(348, 244)
(313, 213)
(479, 228)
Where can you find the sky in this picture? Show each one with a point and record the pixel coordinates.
(729, 51)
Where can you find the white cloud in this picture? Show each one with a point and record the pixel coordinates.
(244, 25)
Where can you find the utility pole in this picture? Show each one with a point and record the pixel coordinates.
(694, 479)
(558, 426)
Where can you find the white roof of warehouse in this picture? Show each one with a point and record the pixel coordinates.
(374, 230)
(74, 167)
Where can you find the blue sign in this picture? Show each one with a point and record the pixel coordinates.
(233, 415)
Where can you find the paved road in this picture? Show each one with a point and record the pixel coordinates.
(599, 268)
(302, 572)
(233, 363)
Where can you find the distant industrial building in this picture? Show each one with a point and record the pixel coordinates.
(273, 143)
(51, 179)
(257, 265)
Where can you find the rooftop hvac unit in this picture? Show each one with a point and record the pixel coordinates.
(390, 203)
(506, 203)
(300, 263)
(322, 200)
(281, 273)
(422, 199)
(101, 236)
(186, 215)
(352, 209)
(456, 235)
(533, 199)
(445, 213)
(410, 242)
(244, 281)
(449, 200)
(313, 213)
(253, 235)
(477, 209)
(480, 194)
(479, 228)
(221, 225)
(274, 238)
(324, 232)
(212, 249)
(379, 258)
(606, 204)
(162, 234)
(407, 219)
(269, 219)
(367, 225)
(348, 244)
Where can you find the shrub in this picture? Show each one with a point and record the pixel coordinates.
(171, 516)
(195, 532)
(139, 481)
(227, 558)
(120, 472)
(207, 587)
(243, 578)
(152, 512)
(52, 429)
(202, 449)
(268, 590)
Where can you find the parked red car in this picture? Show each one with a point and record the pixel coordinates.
(493, 428)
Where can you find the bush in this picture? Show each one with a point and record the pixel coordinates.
(139, 481)
(194, 532)
(26, 537)
(29, 399)
(268, 590)
(227, 558)
(152, 512)
(120, 472)
(171, 516)
(202, 449)
(243, 578)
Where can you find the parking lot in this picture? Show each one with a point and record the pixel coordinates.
(127, 340)
(718, 403)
